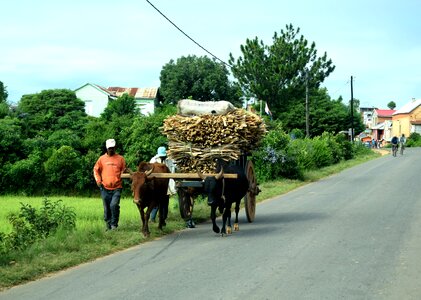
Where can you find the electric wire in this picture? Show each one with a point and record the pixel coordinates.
(228, 65)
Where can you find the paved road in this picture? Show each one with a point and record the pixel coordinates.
(355, 235)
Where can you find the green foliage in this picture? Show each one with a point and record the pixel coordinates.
(334, 147)
(64, 137)
(414, 140)
(297, 133)
(278, 156)
(271, 159)
(276, 138)
(31, 225)
(26, 175)
(322, 156)
(199, 78)
(124, 105)
(4, 109)
(391, 105)
(143, 137)
(42, 112)
(62, 168)
(97, 132)
(325, 115)
(10, 140)
(276, 73)
(85, 181)
(302, 149)
(3, 93)
(415, 136)
(345, 146)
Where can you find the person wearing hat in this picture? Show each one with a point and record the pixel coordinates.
(161, 157)
(107, 174)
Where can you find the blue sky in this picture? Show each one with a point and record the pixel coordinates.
(65, 44)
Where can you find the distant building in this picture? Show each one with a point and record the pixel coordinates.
(96, 98)
(382, 124)
(407, 119)
(367, 115)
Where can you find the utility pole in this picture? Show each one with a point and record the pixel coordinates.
(352, 113)
(307, 110)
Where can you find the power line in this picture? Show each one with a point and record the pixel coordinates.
(188, 35)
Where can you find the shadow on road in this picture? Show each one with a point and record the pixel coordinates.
(272, 218)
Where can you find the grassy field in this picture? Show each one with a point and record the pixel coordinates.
(90, 240)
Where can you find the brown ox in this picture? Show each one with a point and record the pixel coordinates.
(150, 192)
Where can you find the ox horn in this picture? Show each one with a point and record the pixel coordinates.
(129, 170)
(148, 172)
(220, 174)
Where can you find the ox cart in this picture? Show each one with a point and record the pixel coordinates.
(190, 185)
(202, 134)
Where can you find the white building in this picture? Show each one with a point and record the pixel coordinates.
(96, 98)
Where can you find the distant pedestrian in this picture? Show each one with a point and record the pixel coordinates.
(161, 157)
(395, 145)
(107, 174)
(402, 142)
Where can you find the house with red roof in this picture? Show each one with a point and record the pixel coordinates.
(96, 97)
(382, 124)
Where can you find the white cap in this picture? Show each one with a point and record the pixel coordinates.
(110, 143)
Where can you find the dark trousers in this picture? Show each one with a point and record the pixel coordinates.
(165, 209)
(111, 202)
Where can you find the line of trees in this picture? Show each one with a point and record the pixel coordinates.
(49, 145)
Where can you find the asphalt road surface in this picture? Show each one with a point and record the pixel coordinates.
(355, 235)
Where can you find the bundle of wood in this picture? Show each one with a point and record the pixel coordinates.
(196, 142)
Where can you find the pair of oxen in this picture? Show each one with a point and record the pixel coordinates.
(150, 192)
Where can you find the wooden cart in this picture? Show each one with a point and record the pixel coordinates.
(190, 185)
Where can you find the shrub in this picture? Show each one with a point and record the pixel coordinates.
(345, 146)
(31, 225)
(271, 164)
(272, 159)
(322, 155)
(414, 140)
(27, 175)
(302, 150)
(62, 168)
(335, 148)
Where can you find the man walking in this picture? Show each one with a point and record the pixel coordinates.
(107, 174)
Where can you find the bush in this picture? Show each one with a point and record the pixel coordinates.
(31, 225)
(272, 160)
(302, 150)
(334, 147)
(345, 146)
(62, 168)
(322, 156)
(26, 175)
(414, 140)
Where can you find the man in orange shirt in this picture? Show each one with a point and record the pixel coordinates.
(107, 174)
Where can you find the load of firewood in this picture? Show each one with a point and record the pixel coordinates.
(197, 141)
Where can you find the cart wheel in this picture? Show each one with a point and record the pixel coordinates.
(250, 198)
(185, 203)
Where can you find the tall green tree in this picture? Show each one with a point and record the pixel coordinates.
(4, 107)
(50, 110)
(199, 78)
(391, 105)
(3, 93)
(325, 115)
(277, 73)
(124, 105)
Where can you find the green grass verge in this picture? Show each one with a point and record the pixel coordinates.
(90, 240)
